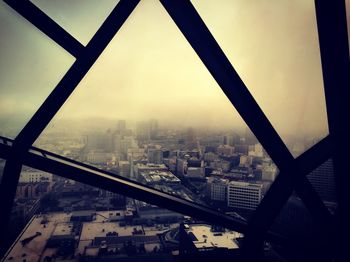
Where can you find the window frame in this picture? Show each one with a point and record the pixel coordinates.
(293, 171)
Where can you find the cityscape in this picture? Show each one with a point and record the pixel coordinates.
(57, 219)
(127, 130)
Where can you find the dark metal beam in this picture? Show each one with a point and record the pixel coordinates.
(197, 34)
(11, 173)
(334, 49)
(74, 75)
(93, 176)
(281, 190)
(48, 26)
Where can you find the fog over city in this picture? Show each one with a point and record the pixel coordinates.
(150, 71)
(147, 159)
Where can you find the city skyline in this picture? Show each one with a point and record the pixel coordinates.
(138, 153)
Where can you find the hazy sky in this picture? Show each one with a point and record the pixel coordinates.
(150, 71)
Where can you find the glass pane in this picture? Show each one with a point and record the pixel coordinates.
(322, 179)
(31, 65)
(61, 219)
(81, 18)
(180, 150)
(132, 116)
(273, 46)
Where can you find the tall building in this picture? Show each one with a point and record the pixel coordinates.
(229, 140)
(218, 189)
(155, 156)
(153, 128)
(181, 166)
(121, 125)
(244, 195)
(143, 131)
(322, 179)
(99, 141)
(124, 168)
(191, 140)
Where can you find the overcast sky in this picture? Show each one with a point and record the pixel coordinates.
(150, 71)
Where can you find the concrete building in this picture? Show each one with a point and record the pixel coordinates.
(181, 166)
(221, 164)
(269, 172)
(257, 150)
(218, 189)
(195, 172)
(34, 176)
(124, 168)
(225, 150)
(159, 177)
(155, 156)
(245, 160)
(244, 195)
(140, 168)
(99, 157)
(205, 237)
(210, 156)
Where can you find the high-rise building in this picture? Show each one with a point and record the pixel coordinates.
(155, 156)
(244, 195)
(181, 166)
(99, 141)
(143, 131)
(229, 140)
(218, 189)
(322, 179)
(153, 128)
(121, 125)
(124, 168)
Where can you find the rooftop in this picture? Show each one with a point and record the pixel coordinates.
(206, 238)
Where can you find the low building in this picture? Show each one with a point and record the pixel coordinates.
(30, 175)
(159, 178)
(206, 237)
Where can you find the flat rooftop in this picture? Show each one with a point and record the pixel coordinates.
(58, 224)
(32, 250)
(206, 238)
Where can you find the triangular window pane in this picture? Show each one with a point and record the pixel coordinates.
(30, 67)
(150, 111)
(273, 45)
